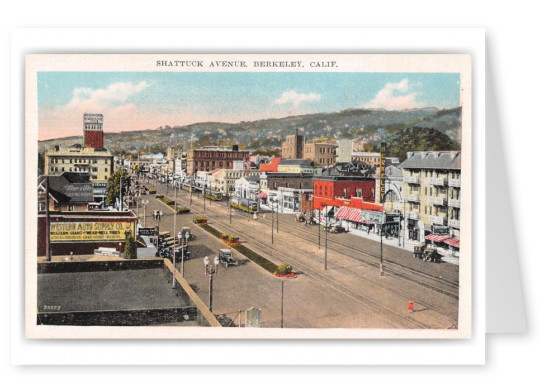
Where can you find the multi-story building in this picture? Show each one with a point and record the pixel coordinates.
(293, 147)
(98, 162)
(345, 194)
(223, 180)
(344, 151)
(283, 190)
(174, 152)
(323, 154)
(93, 130)
(432, 193)
(214, 158)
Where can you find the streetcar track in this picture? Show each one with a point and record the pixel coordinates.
(388, 313)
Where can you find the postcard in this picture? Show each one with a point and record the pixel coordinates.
(248, 196)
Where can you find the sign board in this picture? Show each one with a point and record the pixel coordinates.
(96, 231)
(373, 217)
(440, 229)
(382, 154)
(147, 231)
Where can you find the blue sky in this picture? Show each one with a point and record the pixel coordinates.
(147, 100)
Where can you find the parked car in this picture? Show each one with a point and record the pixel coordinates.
(337, 229)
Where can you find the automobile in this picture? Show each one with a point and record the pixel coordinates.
(337, 229)
(226, 257)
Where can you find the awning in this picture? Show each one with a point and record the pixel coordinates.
(436, 238)
(262, 195)
(454, 242)
(350, 214)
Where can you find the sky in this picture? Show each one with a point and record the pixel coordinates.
(147, 100)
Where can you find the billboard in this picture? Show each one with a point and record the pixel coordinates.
(96, 231)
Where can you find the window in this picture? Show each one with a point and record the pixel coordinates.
(431, 191)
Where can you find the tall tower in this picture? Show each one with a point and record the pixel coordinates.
(93, 130)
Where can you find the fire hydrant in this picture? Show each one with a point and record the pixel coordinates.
(410, 306)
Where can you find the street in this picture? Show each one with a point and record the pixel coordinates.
(351, 293)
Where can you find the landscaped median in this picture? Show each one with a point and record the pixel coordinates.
(169, 202)
(232, 240)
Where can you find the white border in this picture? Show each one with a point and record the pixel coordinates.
(289, 40)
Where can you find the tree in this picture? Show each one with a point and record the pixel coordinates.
(130, 251)
(113, 186)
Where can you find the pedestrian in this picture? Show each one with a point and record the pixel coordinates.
(410, 306)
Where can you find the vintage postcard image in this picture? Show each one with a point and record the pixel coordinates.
(248, 196)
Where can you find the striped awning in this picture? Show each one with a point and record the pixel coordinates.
(454, 242)
(436, 238)
(350, 214)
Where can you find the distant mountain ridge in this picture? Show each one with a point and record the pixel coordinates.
(373, 125)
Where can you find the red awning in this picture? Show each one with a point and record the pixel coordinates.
(437, 238)
(454, 242)
(263, 195)
(350, 214)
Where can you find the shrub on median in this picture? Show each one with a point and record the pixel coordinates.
(200, 220)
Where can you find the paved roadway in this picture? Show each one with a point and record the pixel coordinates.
(351, 293)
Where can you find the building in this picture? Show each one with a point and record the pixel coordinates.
(299, 166)
(283, 190)
(67, 192)
(93, 130)
(272, 166)
(214, 158)
(247, 188)
(293, 147)
(223, 180)
(174, 152)
(98, 162)
(345, 194)
(323, 154)
(432, 194)
(344, 151)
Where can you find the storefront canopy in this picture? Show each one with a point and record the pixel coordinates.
(454, 242)
(437, 238)
(350, 214)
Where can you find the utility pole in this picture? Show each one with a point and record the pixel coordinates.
(174, 246)
(325, 237)
(277, 215)
(48, 255)
(319, 229)
(282, 281)
(272, 223)
(120, 192)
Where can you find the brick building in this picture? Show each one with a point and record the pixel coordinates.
(214, 158)
(93, 130)
(293, 147)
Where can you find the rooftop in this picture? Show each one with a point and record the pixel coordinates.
(443, 160)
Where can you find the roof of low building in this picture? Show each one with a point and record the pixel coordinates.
(67, 188)
(297, 162)
(440, 160)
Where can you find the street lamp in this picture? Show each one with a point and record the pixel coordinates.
(210, 269)
(326, 221)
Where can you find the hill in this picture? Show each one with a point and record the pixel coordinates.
(419, 139)
(360, 124)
